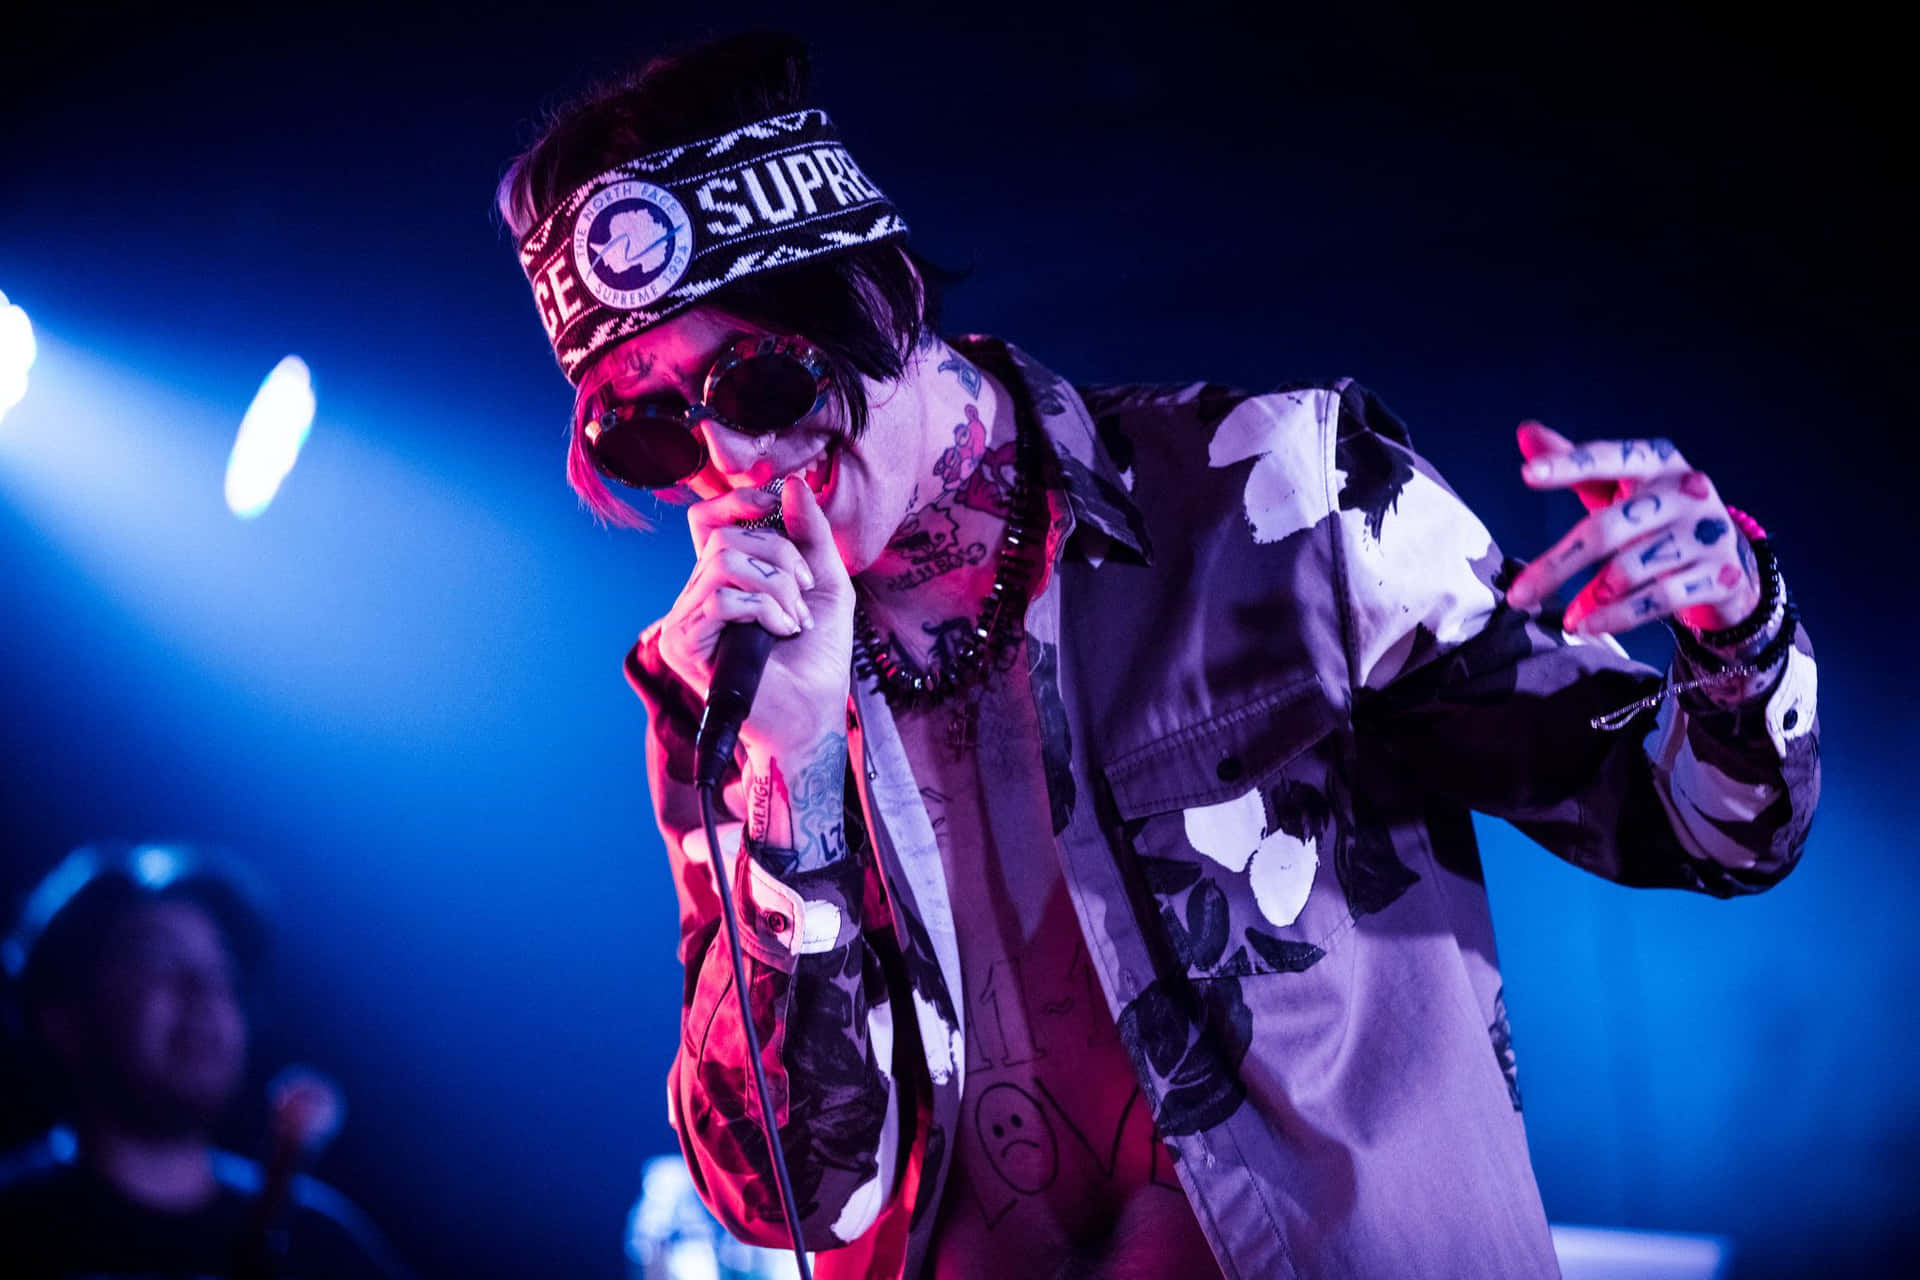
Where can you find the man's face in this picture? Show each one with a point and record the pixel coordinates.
(163, 1034)
(866, 487)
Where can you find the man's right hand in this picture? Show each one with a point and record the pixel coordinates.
(796, 587)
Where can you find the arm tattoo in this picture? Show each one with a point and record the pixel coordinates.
(799, 823)
(760, 802)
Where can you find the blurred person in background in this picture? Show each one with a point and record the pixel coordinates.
(124, 969)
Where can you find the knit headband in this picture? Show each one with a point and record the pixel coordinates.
(653, 236)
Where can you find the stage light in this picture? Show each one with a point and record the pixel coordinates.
(271, 434)
(156, 865)
(16, 354)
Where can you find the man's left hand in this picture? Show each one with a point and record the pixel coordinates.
(1660, 534)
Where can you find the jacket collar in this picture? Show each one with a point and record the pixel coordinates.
(1081, 467)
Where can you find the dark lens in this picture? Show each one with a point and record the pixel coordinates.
(647, 452)
(764, 393)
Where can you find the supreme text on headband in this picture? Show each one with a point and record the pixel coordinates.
(653, 236)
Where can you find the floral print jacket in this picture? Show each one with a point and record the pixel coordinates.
(1275, 671)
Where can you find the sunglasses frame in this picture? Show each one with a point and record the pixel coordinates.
(626, 418)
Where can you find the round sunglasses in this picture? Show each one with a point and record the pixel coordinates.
(757, 385)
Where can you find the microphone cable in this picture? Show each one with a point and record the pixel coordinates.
(788, 1206)
(744, 654)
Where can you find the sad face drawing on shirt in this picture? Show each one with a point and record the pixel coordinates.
(1017, 1138)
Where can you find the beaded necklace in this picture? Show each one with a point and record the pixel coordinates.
(970, 659)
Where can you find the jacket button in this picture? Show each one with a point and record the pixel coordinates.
(1790, 719)
(775, 921)
(1230, 769)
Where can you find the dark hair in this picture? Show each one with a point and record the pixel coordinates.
(63, 926)
(866, 309)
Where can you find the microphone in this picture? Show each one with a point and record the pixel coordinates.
(739, 659)
(304, 1113)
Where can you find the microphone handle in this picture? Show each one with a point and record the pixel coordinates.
(258, 1257)
(739, 660)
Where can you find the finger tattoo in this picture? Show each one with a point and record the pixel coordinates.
(1628, 508)
(1665, 551)
(1709, 531)
(1662, 448)
(766, 570)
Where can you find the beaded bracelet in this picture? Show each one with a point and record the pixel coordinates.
(1699, 646)
(1717, 665)
(1748, 525)
(1719, 670)
(1772, 589)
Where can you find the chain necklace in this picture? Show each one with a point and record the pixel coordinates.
(970, 658)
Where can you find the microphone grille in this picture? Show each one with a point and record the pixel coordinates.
(771, 520)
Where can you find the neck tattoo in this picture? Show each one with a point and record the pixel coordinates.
(964, 654)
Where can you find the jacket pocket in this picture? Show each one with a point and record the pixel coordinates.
(1233, 825)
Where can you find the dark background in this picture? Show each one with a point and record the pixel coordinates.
(399, 689)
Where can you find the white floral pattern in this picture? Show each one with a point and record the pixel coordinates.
(1278, 867)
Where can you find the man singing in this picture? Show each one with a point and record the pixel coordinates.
(1109, 891)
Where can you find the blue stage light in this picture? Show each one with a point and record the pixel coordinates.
(16, 354)
(271, 434)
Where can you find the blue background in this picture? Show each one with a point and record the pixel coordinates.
(399, 689)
